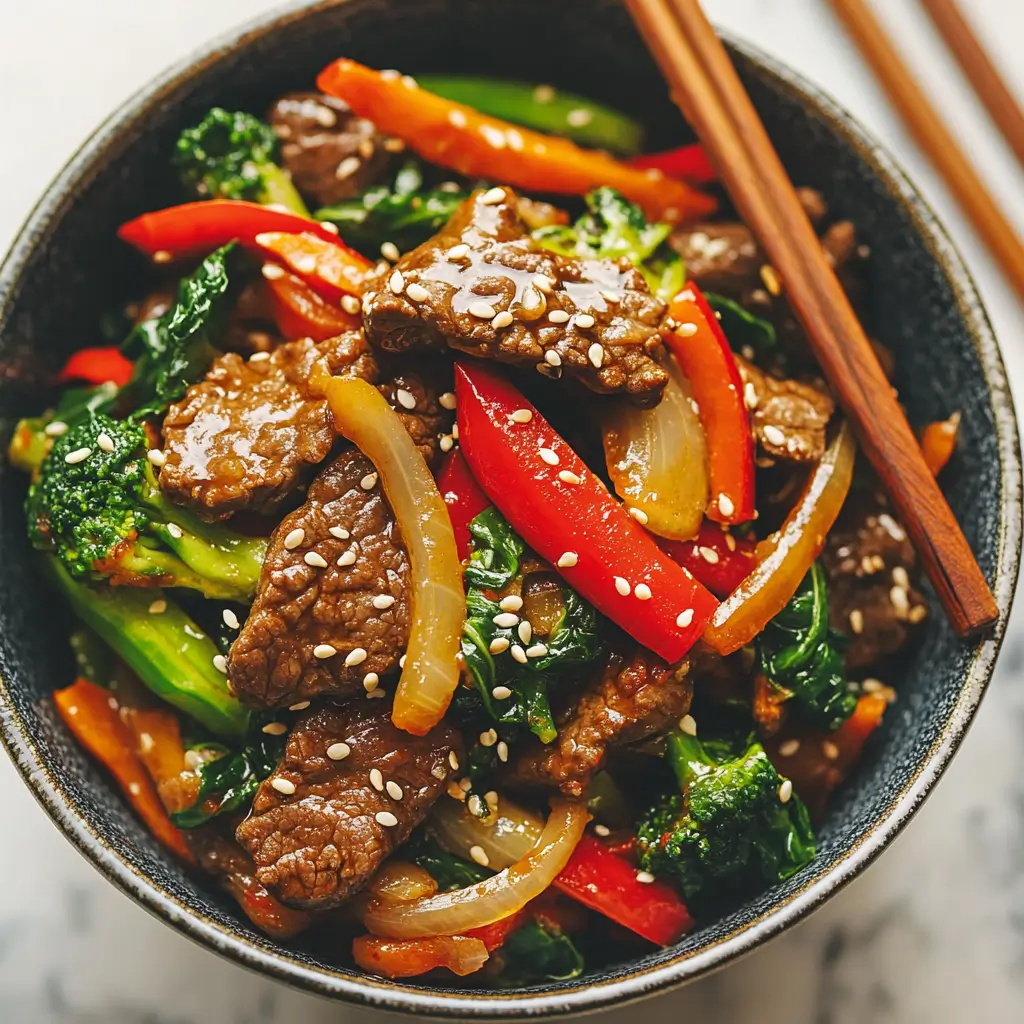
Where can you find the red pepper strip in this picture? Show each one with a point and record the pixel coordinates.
(407, 958)
(459, 137)
(91, 714)
(97, 366)
(577, 527)
(712, 560)
(195, 229)
(331, 269)
(938, 441)
(688, 163)
(706, 359)
(608, 884)
(493, 935)
(299, 312)
(463, 497)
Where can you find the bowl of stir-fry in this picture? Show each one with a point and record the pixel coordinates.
(435, 570)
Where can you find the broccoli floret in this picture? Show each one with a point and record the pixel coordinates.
(231, 155)
(728, 831)
(97, 505)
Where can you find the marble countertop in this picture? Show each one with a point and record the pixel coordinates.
(932, 933)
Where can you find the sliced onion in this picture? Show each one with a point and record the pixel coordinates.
(497, 897)
(543, 604)
(431, 670)
(505, 839)
(784, 558)
(396, 958)
(657, 459)
(402, 881)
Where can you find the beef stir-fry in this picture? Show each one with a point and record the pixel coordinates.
(464, 553)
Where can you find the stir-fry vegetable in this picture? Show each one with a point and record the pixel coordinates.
(706, 359)
(299, 312)
(405, 959)
(688, 163)
(431, 670)
(97, 366)
(938, 442)
(784, 558)
(542, 108)
(742, 329)
(231, 155)
(331, 270)
(458, 137)
(719, 560)
(463, 496)
(567, 516)
(535, 952)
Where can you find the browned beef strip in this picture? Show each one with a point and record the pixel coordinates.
(316, 846)
(245, 435)
(330, 153)
(415, 398)
(428, 300)
(628, 699)
(789, 417)
(307, 600)
(872, 569)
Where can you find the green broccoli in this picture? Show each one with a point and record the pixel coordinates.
(802, 657)
(231, 155)
(615, 227)
(97, 505)
(735, 825)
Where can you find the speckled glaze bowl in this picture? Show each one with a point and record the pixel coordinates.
(67, 267)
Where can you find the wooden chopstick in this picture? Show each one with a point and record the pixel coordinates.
(935, 138)
(976, 64)
(707, 88)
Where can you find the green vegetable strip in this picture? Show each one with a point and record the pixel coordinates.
(741, 327)
(543, 109)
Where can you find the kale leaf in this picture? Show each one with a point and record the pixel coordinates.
(536, 952)
(741, 327)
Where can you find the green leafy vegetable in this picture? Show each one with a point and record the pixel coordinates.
(615, 227)
(497, 550)
(450, 872)
(538, 951)
(741, 327)
(97, 505)
(232, 155)
(728, 831)
(93, 658)
(405, 212)
(802, 656)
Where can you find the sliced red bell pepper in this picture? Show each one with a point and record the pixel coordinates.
(494, 934)
(463, 496)
(938, 442)
(565, 513)
(687, 163)
(457, 136)
(194, 229)
(717, 559)
(608, 884)
(704, 355)
(331, 270)
(299, 312)
(97, 366)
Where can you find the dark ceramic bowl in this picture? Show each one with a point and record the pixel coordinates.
(66, 268)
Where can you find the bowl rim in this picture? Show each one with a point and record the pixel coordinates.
(107, 142)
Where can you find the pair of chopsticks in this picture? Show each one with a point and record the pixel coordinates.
(707, 89)
(931, 132)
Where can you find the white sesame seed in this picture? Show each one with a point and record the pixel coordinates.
(323, 651)
(175, 531)
(785, 791)
(283, 786)
(900, 577)
(548, 456)
(567, 560)
(830, 750)
(315, 559)
(611, 297)
(639, 515)
(377, 779)
(584, 321)
(730, 542)
(347, 558)
(521, 416)
(725, 505)
(105, 442)
(299, 705)
(487, 739)
(405, 399)
(558, 316)
(338, 751)
(396, 283)
(338, 531)
(482, 310)
(390, 252)
(417, 293)
(447, 400)
(686, 330)
(55, 429)
(457, 252)
(350, 304)
(162, 256)
(498, 645)
(371, 681)
(596, 355)
(512, 603)
(685, 618)
(709, 555)
(347, 168)
(567, 476)
(453, 760)
(383, 601)
(857, 621)
(447, 442)
(580, 117)
(642, 592)
(479, 854)
(401, 661)
(503, 319)
(501, 693)
(552, 358)
(543, 283)
(304, 264)
(898, 600)
(505, 620)
(749, 395)
(544, 93)
(457, 118)
(493, 196)
(78, 455)
(917, 614)
(518, 654)
(688, 725)
(502, 749)
(622, 586)
(356, 656)
(394, 790)
(789, 748)
(644, 877)
(525, 631)
(368, 482)
(220, 663)
(158, 607)
(475, 806)
(537, 650)
(773, 435)
(230, 618)
(275, 728)
(602, 830)
(295, 538)
(385, 818)
(272, 272)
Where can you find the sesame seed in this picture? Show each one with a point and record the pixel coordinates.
(394, 790)
(567, 560)
(272, 272)
(385, 818)
(383, 601)
(567, 476)
(900, 577)
(685, 618)
(457, 252)
(78, 455)
(710, 555)
(642, 592)
(370, 681)
(447, 400)
(688, 725)
(493, 196)
(447, 442)
(304, 264)
(162, 256)
(785, 791)
(503, 319)
(175, 531)
(338, 751)
(537, 651)
(830, 750)
(917, 614)
(338, 531)
(55, 429)
(622, 586)
(505, 620)
(543, 283)
(898, 600)
(368, 482)
(377, 694)
(518, 654)
(521, 416)
(405, 398)
(558, 316)
(295, 538)
(417, 293)
(482, 310)
(725, 505)
(789, 748)
(487, 739)
(401, 661)
(686, 330)
(347, 558)
(356, 656)
(275, 728)
(455, 431)
(220, 663)
(366, 148)
(455, 792)
(475, 806)
(730, 542)
(499, 645)
(158, 607)
(749, 395)
(525, 631)
(501, 693)
(377, 780)
(857, 621)
(299, 705)
(891, 527)
(639, 515)
(596, 355)
(512, 603)
(773, 435)
(771, 279)
(644, 877)
(502, 749)
(315, 559)
(283, 786)
(479, 854)
(390, 252)
(105, 442)
(396, 282)
(548, 456)
(494, 136)
(230, 618)
(602, 830)
(453, 760)
(580, 117)
(323, 651)
(585, 321)
(350, 304)
(457, 118)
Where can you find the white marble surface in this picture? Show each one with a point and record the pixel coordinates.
(933, 933)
